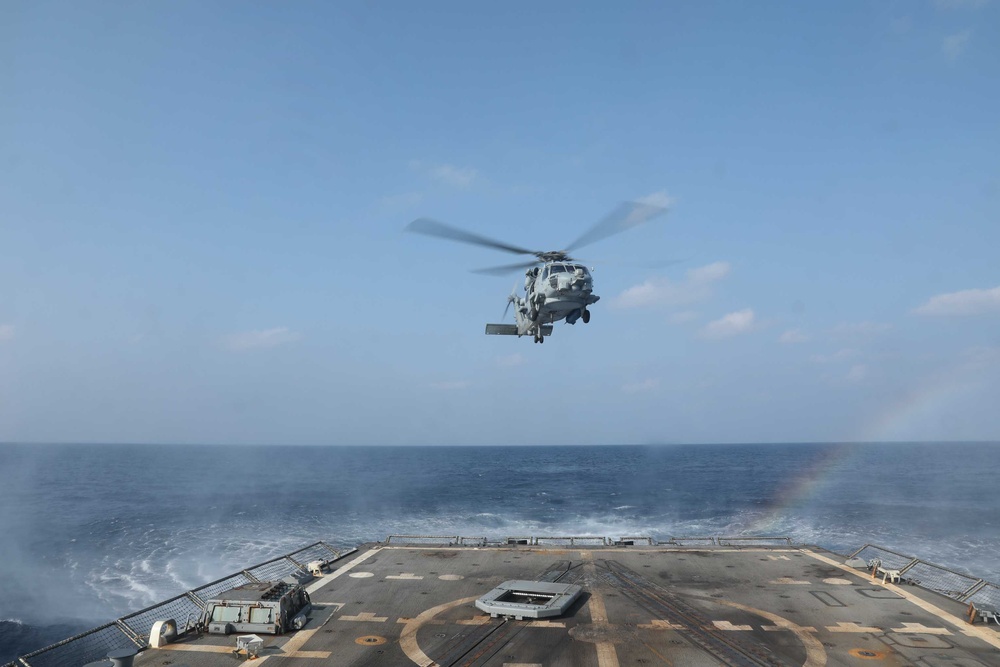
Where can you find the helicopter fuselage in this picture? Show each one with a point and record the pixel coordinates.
(552, 292)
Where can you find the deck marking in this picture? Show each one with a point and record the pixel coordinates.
(853, 627)
(838, 581)
(922, 629)
(365, 616)
(778, 628)
(408, 636)
(361, 575)
(316, 585)
(451, 577)
(598, 614)
(788, 581)
(406, 576)
(204, 648)
(778, 558)
(726, 625)
(522, 664)
(607, 655)
(475, 620)
(290, 649)
(988, 636)
(815, 653)
(546, 624)
(659, 624)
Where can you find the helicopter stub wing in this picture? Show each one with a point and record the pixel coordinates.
(511, 330)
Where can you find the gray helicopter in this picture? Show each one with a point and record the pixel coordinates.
(556, 286)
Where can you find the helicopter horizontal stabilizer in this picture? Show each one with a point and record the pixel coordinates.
(511, 330)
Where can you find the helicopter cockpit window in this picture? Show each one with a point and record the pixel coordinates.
(557, 268)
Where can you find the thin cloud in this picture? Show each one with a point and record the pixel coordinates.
(838, 356)
(857, 373)
(643, 386)
(256, 340)
(684, 316)
(450, 385)
(516, 359)
(696, 286)
(953, 46)
(448, 174)
(793, 336)
(659, 198)
(965, 302)
(6, 332)
(859, 330)
(981, 355)
(730, 325)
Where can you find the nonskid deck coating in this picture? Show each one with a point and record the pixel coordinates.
(405, 605)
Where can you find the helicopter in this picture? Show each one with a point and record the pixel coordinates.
(556, 286)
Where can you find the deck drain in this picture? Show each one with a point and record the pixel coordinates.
(867, 654)
(370, 640)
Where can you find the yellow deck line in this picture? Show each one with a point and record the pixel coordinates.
(988, 636)
(316, 585)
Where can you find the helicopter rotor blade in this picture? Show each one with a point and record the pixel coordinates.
(510, 300)
(439, 229)
(651, 264)
(505, 269)
(626, 216)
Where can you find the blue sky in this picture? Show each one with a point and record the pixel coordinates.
(202, 206)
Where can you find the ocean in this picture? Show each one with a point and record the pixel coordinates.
(90, 532)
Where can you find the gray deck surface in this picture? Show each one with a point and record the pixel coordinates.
(691, 606)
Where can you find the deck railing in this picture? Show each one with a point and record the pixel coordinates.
(933, 577)
(132, 630)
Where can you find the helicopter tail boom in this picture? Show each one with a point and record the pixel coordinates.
(511, 330)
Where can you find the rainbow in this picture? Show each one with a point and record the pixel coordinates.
(915, 416)
(806, 485)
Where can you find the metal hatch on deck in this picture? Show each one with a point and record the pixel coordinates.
(528, 599)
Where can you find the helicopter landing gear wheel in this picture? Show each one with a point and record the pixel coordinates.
(586, 316)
